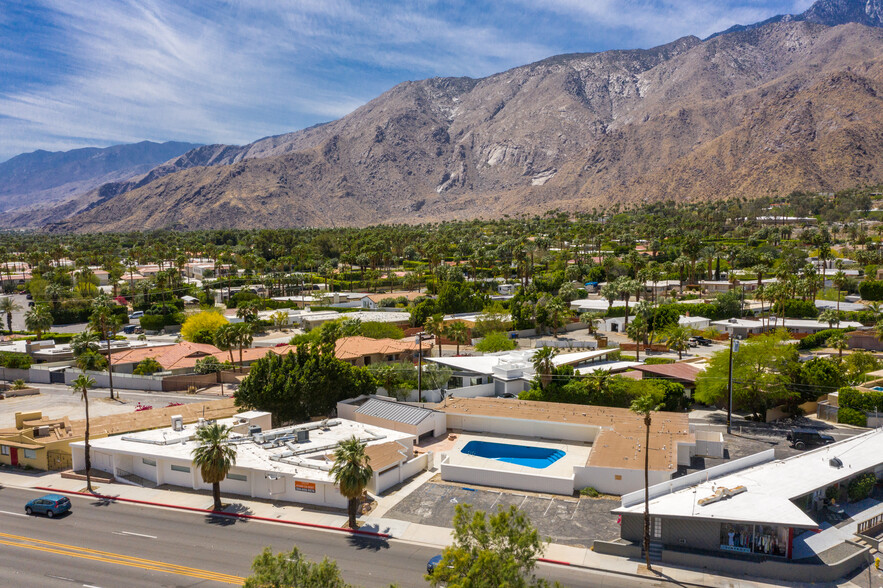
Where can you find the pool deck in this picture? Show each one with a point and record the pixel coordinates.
(574, 455)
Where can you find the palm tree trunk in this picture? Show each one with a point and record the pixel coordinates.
(647, 491)
(240, 359)
(109, 366)
(352, 507)
(88, 457)
(216, 495)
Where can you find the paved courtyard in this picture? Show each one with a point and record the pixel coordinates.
(565, 519)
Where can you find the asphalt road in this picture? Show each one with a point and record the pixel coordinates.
(101, 544)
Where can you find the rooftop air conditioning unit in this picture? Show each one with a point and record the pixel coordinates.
(303, 436)
(177, 423)
(253, 429)
(200, 423)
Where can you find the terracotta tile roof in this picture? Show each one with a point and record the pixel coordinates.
(169, 357)
(684, 372)
(356, 347)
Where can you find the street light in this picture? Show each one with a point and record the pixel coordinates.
(419, 338)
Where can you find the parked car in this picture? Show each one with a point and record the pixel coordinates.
(433, 563)
(137, 314)
(803, 438)
(29, 297)
(50, 505)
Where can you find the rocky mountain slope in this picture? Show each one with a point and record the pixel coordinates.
(47, 177)
(827, 12)
(788, 105)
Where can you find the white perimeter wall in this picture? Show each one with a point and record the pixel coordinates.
(503, 425)
(503, 479)
(605, 479)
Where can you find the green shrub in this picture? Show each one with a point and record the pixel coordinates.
(832, 492)
(871, 290)
(850, 416)
(590, 492)
(818, 339)
(658, 360)
(860, 488)
(862, 401)
(19, 384)
(15, 361)
(797, 309)
(493, 342)
(626, 357)
(147, 366)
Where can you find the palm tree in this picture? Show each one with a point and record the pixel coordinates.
(457, 332)
(39, 320)
(592, 321)
(225, 339)
(81, 385)
(558, 313)
(878, 330)
(214, 456)
(435, 326)
(830, 316)
(678, 337)
(637, 331)
(107, 323)
(838, 341)
(243, 338)
(83, 342)
(8, 306)
(645, 405)
(876, 310)
(839, 283)
(543, 364)
(352, 472)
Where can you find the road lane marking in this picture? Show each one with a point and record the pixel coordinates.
(15, 514)
(134, 534)
(118, 559)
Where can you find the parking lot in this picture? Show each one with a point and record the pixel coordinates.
(565, 519)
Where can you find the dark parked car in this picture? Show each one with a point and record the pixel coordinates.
(50, 505)
(803, 438)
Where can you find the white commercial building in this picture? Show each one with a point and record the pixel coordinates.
(287, 464)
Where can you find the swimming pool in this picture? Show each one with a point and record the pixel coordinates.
(532, 457)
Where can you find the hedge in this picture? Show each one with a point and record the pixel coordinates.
(862, 401)
(797, 309)
(850, 416)
(871, 290)
(155, 322)
(19, 361)
(658, 360)
(68, 316)
(818, 339)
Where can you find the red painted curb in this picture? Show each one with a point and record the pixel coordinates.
(220, 512)
(553, 561)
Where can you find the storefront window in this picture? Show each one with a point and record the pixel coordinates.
(760, 539)
(737, 538)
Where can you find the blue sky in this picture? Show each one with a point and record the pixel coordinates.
(101, 72)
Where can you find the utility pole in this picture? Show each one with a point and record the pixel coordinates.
(419, 337)
(734, 346)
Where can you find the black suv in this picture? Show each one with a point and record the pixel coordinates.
(803, 438)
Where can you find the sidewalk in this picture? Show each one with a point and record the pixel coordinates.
(375, 522)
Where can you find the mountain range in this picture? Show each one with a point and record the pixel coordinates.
(45, 177)
(792, 103)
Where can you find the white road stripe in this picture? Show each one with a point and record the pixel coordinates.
(15, 514)
(133, 534)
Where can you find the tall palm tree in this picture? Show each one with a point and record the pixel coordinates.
(559, 313)
(543, 364)
(81, 386)
(8, 306)
(352, 472)
(645, 405)
(457, 332)
(107, 323)
(637, 331)
(225, 339)
(214, 456)
(39, 320)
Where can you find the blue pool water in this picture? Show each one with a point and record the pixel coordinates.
(532, 457)
(878, 388)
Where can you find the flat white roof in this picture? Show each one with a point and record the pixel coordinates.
(594, 304)
(179, 445)
(770, 487)
(613, 366)
(484, 364)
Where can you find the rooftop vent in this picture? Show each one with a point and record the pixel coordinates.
(835, 462)
(177, 423)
